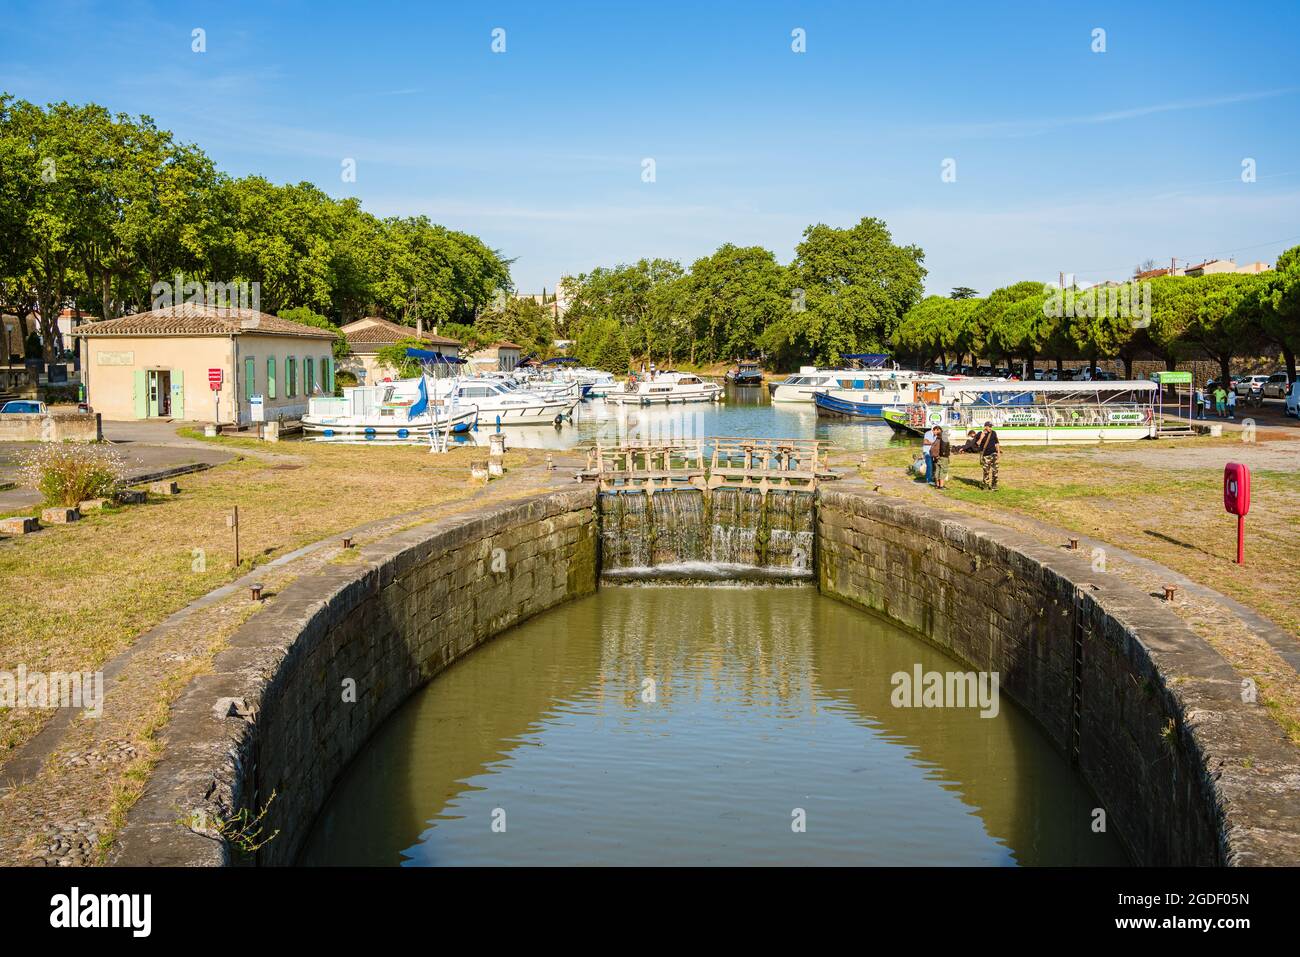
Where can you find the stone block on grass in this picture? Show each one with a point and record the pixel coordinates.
(19, 525)
(92, 505)
(164, 488)
(131, 496)
(59, 516)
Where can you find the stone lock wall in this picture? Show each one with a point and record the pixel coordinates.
(51, 427)
(274, 717)
(1188, 773)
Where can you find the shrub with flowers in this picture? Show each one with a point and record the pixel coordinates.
(67, 473)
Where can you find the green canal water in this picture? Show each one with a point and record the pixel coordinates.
(764, 705)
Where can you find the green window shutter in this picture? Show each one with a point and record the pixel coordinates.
(140, 394)
(178, 394)
(290, 377)
(270, 377)
(250, 378)
(308, 376)
(329, 375)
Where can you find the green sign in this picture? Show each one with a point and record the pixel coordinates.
(1173, 378)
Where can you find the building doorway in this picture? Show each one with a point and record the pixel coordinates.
(160, 393)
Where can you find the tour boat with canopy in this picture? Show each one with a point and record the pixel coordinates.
(1037, 413)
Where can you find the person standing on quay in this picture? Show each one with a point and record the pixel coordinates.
(927, 449)
(1200, 404)
(940, 453)
(1220, 401)
(1232, 404)
(990, 452)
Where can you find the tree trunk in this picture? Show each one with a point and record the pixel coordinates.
(1225, 376)
(1060, 364)
(1288, 354)
(1128, 367)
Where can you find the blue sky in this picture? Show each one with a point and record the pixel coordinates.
(1066, 159)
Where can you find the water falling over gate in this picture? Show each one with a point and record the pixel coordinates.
(748, 512)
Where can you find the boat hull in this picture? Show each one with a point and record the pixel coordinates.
(665, 398)
(837, 408)
(389, 427)
(1008, 434)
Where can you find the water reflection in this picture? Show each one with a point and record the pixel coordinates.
(764, 700)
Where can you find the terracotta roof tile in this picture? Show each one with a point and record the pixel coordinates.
(192, 319)
(372, 329)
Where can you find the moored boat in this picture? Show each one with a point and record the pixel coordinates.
(1038, 413)
(745, 374)
(666, 387)
(400, 409)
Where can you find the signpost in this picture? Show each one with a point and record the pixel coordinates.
(215, 378)
(1236, 501)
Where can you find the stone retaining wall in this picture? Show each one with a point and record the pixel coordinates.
(1189, 773)
(274, 717)
(51, 427)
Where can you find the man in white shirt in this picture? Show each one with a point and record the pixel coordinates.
(926, 441)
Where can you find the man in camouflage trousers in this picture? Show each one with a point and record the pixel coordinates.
(990, 451)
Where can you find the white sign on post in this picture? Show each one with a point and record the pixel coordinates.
(256, 410)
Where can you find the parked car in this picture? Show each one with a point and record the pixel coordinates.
(1245, 383)
(1293, 399)
(1232, 385)
(23, 407)
(1038, 375)
(1277, 386)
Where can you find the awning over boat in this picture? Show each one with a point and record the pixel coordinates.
(424, 355)
(869, 360)
(559, 360)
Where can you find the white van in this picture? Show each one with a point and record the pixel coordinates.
(1293, 399)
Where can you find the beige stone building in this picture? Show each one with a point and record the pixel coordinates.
(498, 357)
(158, 365)
(367, 336)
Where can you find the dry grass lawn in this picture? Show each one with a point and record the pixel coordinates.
(1161, 501)
(76, 595)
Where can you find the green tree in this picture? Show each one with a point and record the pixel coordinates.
(856, 285)
(732, 296)
(1227, 322)
(1280, 308)
(525, 322)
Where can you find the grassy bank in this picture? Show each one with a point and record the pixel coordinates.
(1161, 501)
(77, 595)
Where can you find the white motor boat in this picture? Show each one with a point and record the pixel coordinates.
(666, 387)
(400, 409)
(503, 402)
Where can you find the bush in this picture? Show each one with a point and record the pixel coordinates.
(68, 473)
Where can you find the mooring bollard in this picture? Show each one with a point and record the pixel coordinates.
(550, 462)
(1169, 592)
(497, 444)
(347, 543)
(1074, 544)
(257, 592)
(478, 471)
(495, 468)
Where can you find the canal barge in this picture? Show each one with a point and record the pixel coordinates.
(1037, 413)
